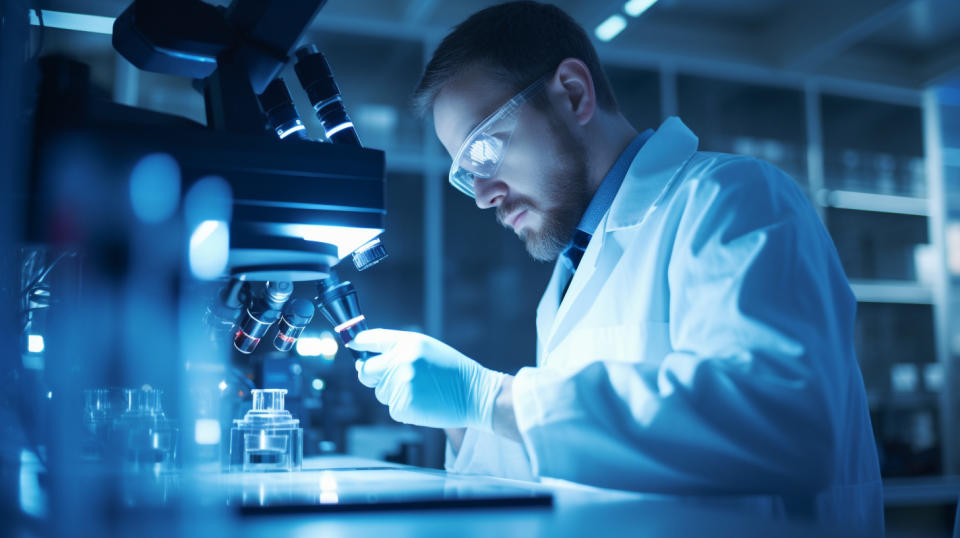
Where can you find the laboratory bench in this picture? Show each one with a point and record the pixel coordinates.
(335, 496)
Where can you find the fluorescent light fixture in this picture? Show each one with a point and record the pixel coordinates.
(35, 343)
(635, 8)
(610, 28)
(345, 238)
(74, 21)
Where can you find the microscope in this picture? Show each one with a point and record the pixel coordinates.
(236, 54)
(155, 246)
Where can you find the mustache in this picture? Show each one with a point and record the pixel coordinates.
(510, 208)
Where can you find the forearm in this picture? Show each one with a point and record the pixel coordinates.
(504, 419)
(733, 431)
(455, 436)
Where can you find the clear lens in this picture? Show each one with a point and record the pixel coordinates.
(484, 153)
(483, 150)
(462, 181)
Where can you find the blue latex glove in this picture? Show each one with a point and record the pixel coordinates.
(426, 382)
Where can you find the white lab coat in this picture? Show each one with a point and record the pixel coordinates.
(705, 345)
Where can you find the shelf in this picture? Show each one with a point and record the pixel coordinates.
(903, 401)
(891, 291)
(880, 203)
(920, 490)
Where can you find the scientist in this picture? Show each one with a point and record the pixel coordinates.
(696, 336)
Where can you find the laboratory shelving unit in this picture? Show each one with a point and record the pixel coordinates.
(870, 157)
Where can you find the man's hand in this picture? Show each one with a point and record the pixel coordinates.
(426, 382)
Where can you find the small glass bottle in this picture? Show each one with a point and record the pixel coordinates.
(267, 438)
(148, 439)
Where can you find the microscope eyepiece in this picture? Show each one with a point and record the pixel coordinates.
(281, 113)
(317, 80)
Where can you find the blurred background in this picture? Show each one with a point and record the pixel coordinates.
(859, 101)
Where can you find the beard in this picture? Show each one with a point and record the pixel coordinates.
(568, 195)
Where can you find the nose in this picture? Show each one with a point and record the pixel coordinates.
(489, 192)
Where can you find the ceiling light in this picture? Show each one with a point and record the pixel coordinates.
(610, 28)
(635, 8)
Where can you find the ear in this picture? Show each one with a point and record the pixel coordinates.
(574, 83)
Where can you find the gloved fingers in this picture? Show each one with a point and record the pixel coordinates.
(392, 382)
(371, 371)
(399, 407)
(376, 340)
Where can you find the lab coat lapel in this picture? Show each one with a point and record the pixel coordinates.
(549, 303)
(651, 171)
(598, 261)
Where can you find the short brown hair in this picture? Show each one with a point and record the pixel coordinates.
(520, 41)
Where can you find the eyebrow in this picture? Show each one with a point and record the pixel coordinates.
(484, 118)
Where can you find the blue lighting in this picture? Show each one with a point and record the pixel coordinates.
(635, 8)
(155, 188)
(74, 21)
(345, 238)
(35, 343)
(298, 127)
(610, 28)
(187, 56)
(338, 128)
(209, 249)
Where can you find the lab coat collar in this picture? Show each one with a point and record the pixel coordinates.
(653, 167)
(648, 177)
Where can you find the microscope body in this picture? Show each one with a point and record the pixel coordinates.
(161, 238)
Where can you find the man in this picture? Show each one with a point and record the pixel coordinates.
(696, 336)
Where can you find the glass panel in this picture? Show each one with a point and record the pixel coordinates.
(732, 117)
(892, 333)
(638, 95)
(873, 147)
(876, 245)
(897, 357)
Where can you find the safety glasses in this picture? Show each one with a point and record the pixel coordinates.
(482, 151)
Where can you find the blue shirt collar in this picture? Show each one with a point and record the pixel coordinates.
(607, 191)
